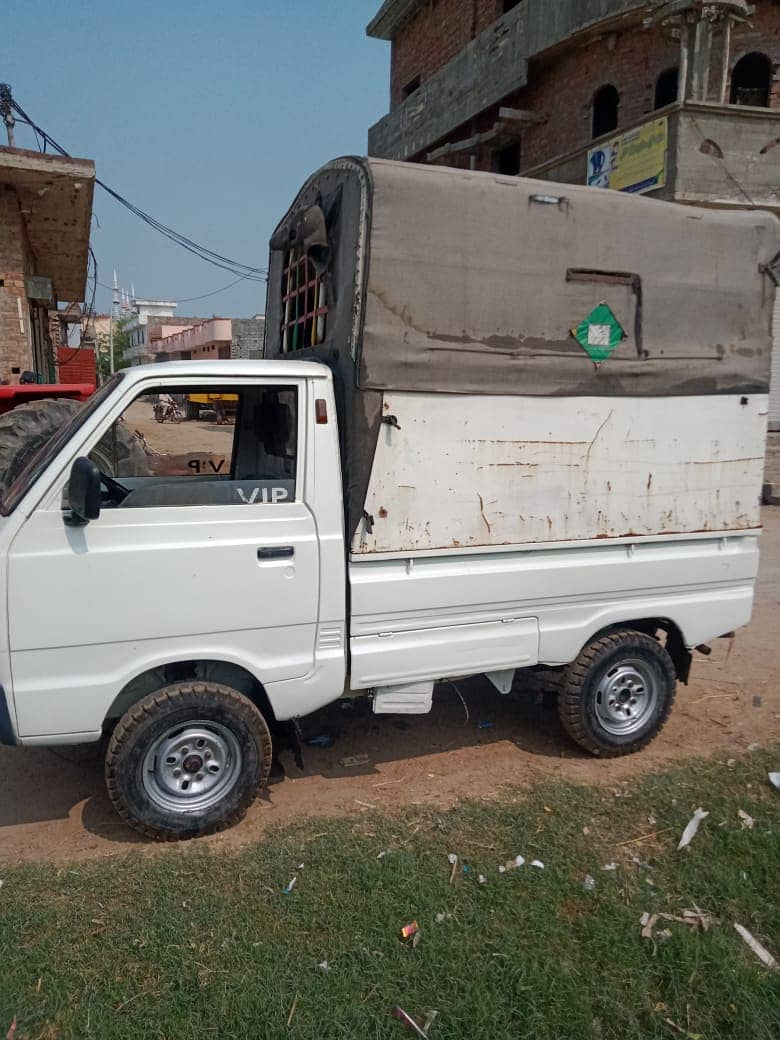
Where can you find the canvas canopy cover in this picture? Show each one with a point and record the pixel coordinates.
(452, 281)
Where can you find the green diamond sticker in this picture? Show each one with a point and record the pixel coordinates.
(600, 334)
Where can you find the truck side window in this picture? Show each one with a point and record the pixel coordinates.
(209, 446)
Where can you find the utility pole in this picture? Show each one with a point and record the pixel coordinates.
(6, 111)
(111, 318)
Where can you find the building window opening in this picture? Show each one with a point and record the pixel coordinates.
(606, 103)
(509, 5)
(667, 88)
(411, 87)
(305, 303)
(506, 160)
(751, 81)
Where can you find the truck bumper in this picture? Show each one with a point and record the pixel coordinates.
(7, 735)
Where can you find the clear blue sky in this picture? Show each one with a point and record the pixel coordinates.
(208, 115)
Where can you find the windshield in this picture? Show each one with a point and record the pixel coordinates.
(49, 449)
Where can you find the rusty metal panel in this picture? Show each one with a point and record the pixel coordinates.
(492, 471)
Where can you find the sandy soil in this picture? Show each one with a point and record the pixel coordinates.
(52, 809)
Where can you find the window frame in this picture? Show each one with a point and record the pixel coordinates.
(293, 260)
(49, 497)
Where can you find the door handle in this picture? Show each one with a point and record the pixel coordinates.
(276, 552)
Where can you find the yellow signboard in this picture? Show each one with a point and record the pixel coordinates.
(634, 161)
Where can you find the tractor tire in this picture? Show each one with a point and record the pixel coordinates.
(27, 428)
(188, 760)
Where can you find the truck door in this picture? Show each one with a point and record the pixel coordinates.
(204, 549)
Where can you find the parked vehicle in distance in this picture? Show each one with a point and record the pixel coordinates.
(166, 410)
(499, 424)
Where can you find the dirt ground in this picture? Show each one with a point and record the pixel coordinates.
(189, 436)
(54, 809)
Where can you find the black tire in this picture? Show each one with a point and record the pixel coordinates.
(27, 428)
(134, 789)
(591, 699)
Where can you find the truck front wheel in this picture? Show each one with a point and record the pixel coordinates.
(188, 760)
(616, 697)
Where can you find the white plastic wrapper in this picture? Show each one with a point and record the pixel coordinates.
(693, 825)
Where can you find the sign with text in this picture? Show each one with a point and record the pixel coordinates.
(634, 161)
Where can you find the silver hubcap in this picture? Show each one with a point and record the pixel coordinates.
(191, 768)
(626, 697)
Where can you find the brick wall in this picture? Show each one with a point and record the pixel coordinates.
(76, 365)
(15, 262)
(761, 34)
(439, 31)
(247, 337)
(561, 87)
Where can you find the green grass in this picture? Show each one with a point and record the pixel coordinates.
(193, 943)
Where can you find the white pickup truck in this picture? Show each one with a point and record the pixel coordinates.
(498, 424)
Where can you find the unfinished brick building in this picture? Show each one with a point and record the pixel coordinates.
(45, 216)
(554, 90)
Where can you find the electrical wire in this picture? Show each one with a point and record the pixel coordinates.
(190, 299)
(204, 296)
(244, 271)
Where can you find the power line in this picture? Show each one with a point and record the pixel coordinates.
(244, 271)
(215, 292)
(203, 296)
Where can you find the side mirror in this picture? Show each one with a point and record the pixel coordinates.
(83, 493)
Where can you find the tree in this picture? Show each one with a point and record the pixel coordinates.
(121, 347)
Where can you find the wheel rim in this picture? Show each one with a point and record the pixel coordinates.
(191, 768)
(626, 697)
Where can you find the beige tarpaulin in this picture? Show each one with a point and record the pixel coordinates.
(476, 282)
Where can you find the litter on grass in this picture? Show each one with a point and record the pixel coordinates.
(482, 879)
(502, 869)
(452, 859)
(760, 951)
(610, 866)
(324, 966)
(442, 917)
(430, 1018)
(382, 854)
(693, 918)
(406, 1019)
(746, 821)
(691, 828)
(290, 885)
(774, 780)
(409, 930)
(589, 883)
(538, 864)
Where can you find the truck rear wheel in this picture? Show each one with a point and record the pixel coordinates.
(188, 760)
(616, 697)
